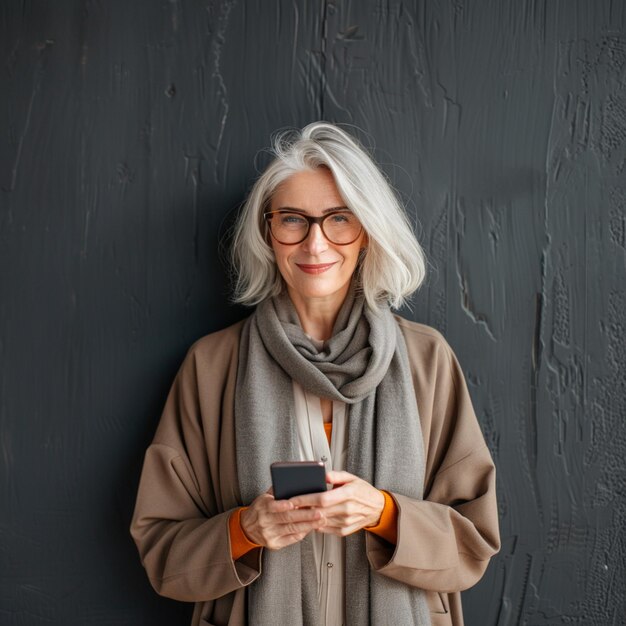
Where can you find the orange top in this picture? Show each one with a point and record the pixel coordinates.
(387, 526)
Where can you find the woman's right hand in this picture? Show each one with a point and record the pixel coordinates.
(275, 524)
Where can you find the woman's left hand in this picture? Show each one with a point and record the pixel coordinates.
(351, 505)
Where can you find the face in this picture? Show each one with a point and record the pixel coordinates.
(314, 270)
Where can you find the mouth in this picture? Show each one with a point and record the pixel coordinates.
(318, 268)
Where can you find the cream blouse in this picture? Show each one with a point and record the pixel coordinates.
(328, 550)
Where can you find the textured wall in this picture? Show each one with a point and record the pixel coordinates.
(129, 131)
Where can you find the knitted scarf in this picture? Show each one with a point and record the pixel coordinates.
(365, 365)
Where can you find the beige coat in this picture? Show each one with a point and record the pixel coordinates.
(189, 487)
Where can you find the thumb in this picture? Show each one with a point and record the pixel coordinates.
(339, 478)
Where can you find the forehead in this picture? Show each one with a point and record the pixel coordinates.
(309, 190)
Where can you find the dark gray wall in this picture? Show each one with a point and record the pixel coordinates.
(129, 131)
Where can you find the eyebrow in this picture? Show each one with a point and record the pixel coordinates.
(324, 211)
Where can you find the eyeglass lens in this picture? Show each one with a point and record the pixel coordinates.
(342, 227)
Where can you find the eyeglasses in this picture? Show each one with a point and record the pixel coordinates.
(339, 227)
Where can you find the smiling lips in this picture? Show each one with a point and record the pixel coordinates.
(315, 269)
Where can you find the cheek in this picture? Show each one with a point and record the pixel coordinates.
(353, 257)
(282, 260)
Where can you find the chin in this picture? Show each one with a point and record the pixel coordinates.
(317, 291)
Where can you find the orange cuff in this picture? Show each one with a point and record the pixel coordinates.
(239, 543)
(387, 526)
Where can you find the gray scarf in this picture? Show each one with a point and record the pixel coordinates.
(365, 365)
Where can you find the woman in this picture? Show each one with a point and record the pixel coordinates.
(321, 370)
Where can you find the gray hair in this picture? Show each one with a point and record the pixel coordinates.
(393, 266)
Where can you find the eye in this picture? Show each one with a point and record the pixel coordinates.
(341, 218)
(291, 219)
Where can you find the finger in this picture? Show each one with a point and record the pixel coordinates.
(278, 506)
(286, 540)
(295, 528)
(340, 531)
(270, 533)
(263, 499)
(344, 510)
(299, 515)
(320, 500)
(340, 478)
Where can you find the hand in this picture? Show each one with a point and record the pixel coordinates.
(351, 505)
(275, 524)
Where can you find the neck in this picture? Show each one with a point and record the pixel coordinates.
(318, 315)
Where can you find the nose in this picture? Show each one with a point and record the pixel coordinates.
(315, 242)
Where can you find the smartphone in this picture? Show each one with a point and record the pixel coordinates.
(295, 478)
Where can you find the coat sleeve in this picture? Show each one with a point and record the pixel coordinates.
(446, 540)
(179, 525)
